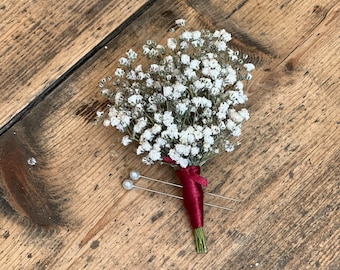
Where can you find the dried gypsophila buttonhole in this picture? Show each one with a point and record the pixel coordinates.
(182, 108)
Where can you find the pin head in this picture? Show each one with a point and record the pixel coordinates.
(127, 184)
(134, 175)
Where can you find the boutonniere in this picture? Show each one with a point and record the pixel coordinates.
(183, 105)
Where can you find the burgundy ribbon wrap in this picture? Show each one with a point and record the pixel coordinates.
(192, 184)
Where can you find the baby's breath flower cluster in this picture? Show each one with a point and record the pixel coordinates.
(183, 101)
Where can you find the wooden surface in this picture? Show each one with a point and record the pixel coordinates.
(68, 211)
(40, 42)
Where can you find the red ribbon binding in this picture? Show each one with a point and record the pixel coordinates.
(192, 184)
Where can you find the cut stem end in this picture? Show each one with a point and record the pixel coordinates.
(201, 242)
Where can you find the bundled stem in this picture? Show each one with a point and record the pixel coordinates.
(201, 242)
(193, 201)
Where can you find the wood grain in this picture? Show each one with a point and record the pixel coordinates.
(39, 42)
(286, 171)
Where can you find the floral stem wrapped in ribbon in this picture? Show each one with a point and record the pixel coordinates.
(182, 104)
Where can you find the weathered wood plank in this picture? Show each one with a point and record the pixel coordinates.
(285, 172)
(39, 42)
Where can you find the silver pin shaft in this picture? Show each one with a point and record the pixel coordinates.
(128, 185)
(179, 186)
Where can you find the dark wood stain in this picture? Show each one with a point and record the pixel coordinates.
(95, 244)
(157, 216)
(289, 66)
(22, 188)
(88, 110)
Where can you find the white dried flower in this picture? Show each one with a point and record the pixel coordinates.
(32, 161)
(185, 59)
(236, 131)
(135, 99)
(230, 124)
(244, 113)
(187, 35)
(100, 114)
(172, 43)
(119, 72)
(195, 64)
(189, 73)
(196, 35)
(182, 149)
(140, 125)
(235, 116)
(167, 91)
(157, 128)
(124, 61)
(181, 108)
(106, 123)
(132, 55)
(182, 104)
(228, 146)
(168, 119)
(184, 45)
(155, 154)
(126, 140)
(172, 131)
(180, 22)
(249, 67)
(221, 45)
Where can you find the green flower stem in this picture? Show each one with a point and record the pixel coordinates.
(201, 242)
